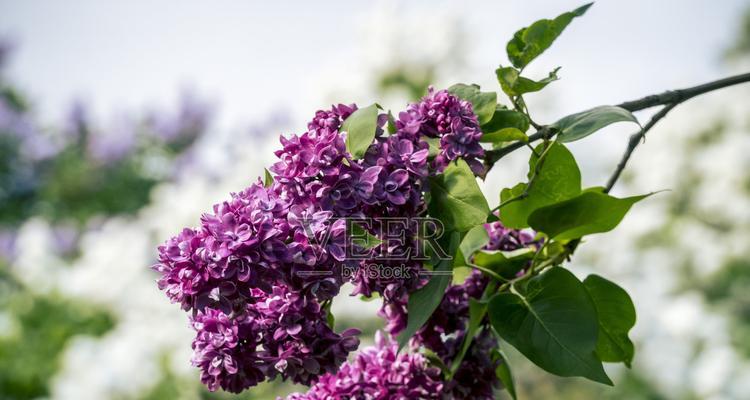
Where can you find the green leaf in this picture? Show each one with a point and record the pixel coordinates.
(455, 198)
(434, 144)
(504, 373)
(558, 179)
(360, 128)
(483, 103)
(530, 42)
(590, 212)
(475, 239)
(505, 263)
(504, 135)
(268, 181)
(434, 360)
(504, 118)
(460, 274)
(513, 84)
(578, 126)
(424, 301)
(391, 123)
(616, 317)
(362, 238)
(330, 319)
(552, 321)
(477, 311)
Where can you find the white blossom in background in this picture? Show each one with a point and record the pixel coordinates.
(672, 322)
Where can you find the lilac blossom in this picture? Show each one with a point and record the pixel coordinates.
(259, 270)
(445, 116)
(380, 372)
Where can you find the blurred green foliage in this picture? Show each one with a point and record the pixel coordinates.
(38, 329)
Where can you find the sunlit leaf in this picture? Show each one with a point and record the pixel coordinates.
(558, 179)
(590, 212)
(456, 198)
(360, 128)
(530, 42)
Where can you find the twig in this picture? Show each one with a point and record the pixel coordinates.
(680, 95)
(669, 97)
(635, 140)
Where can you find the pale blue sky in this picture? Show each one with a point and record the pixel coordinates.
(255, 56)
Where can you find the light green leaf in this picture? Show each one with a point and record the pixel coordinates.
(504, 135)
(590, 212)
(268, 180)
(530, 42)
(360, 128)
(434, 144)
(475, 239)
(483, 103)
(513, 84)
(578, 126)
(460, 274)
(553, 322)
(616, 317)
(455, 198)
(558, 179)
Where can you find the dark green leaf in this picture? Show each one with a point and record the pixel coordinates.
(391, 124)
(504, 373)
(530, 42)
(434, 360)
(477, 311)
(483, 103)
(456, 199)
(579, 125)
(616, 317)
(552, 321)
(330, 319)
(475, 239)
(424, 301)
(558, 179)
(513, 84)
(360, 128)
(590, 212)
(268, 180)
(504, 263)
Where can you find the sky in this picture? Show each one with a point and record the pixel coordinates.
(252, 57)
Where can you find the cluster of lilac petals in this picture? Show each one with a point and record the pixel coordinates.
(380, 372)
(259, 269)
(281, 334)
(445, 116)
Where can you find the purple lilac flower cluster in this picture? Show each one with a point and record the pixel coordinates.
(255, 317)
(445, 331)
(379, 373)
(442, 115)
(258, 272)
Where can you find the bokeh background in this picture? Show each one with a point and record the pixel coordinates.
(120, 122)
